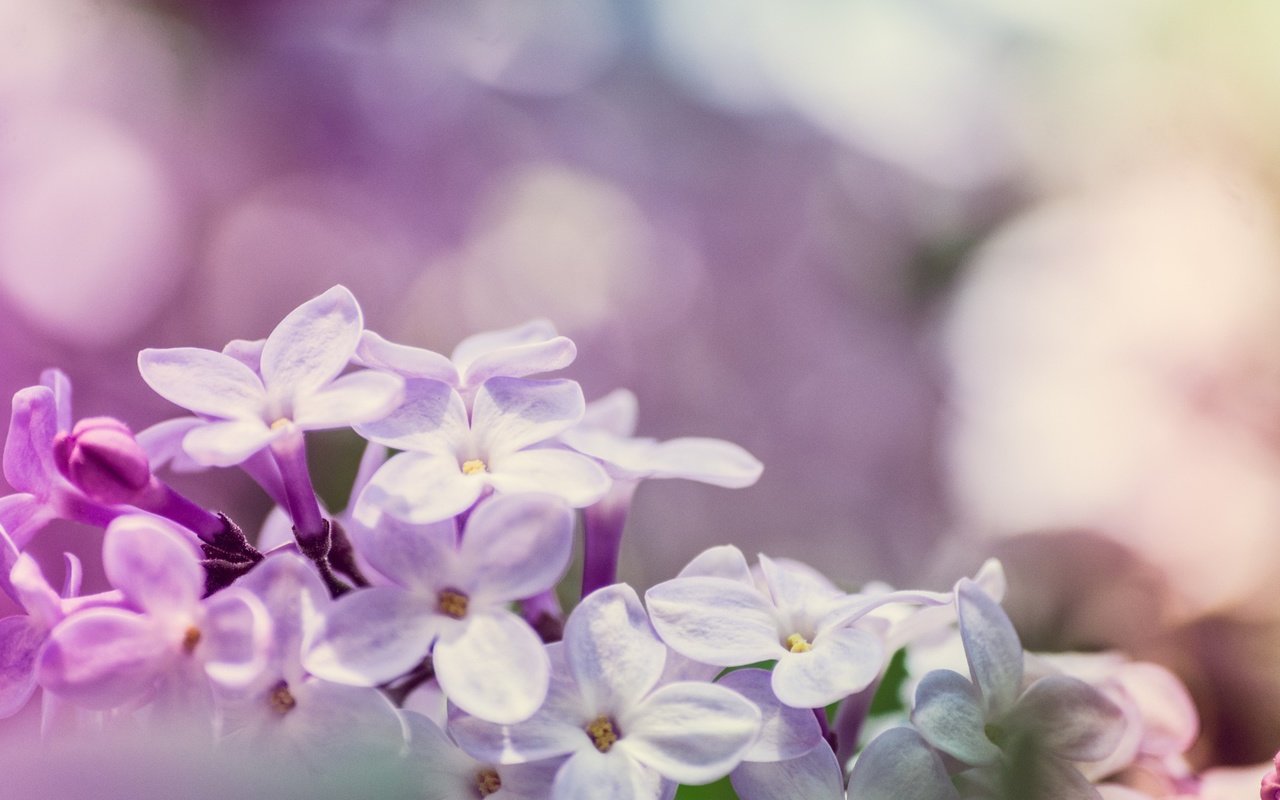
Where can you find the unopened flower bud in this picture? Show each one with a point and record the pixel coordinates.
(102, 459)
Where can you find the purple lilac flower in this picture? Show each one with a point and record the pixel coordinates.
(1021, 738)
(450, 598)
(163, 641)
(529, 349)
(623, 732)
(503, 445)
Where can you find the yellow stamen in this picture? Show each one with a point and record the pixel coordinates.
(190, 639)
(488, 782)
(473, 466)
(280, 423)
(281, 699)
(452, 603)
(798, 644)
(602, 734)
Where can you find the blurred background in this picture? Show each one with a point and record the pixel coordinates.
(969, 276)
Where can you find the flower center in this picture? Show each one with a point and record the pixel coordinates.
(281, 699)
(798, 644)
(190, 639)
(602, 733)
(488, 782)
(473, 466)
(452, 603)
(280, 423)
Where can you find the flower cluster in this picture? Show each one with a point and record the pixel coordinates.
(421, 629)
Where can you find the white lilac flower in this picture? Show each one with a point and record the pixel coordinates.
(625, 735)
(503, 445)
(715, 613)
(1020, 738)
(288, 712)
(165, 642)
(450, 597)
(529, 349)
(297, 387)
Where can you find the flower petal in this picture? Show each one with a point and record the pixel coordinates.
(204, 381)
(496, 670)
(235, 635)
(162, 443)
(431, 419)
(60, 385)
(513, 413)
(371, 636)
(841, 662)
(591, 775)
(480, 344)
(690, 732)
(949, 715)
(412, 362)
(813, 775)
(786, 732)
(334, 724)
(900, 765)
(517, 361)
(363, 396)
(419, 489)
(103, 657)
(414, 556)
(611, 649)
(1068, 718)
(516, 545)
(715, 620)
(313, 343)
(225, 444)
(28, 450)
(34, 593)
(614, 413)
(576, 478)
(991, 646)
(20, 641)
(721, 561)
(153, 564)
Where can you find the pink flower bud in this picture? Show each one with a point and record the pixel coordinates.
(102, 459)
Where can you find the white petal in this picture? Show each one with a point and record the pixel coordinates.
(414, 556)
(690, 732)
(576, 478)
(949, 715)
(204, 381)
(517, 545)
(841, 662)
(155, 566)
(496, 670)
(611, 649)
(225, 444)
(235, 635)
(313, 343)
(412, 362)
(480, 344)
(991, 646)
(431, 419)
(721, 561)
(899, 765)
(363, 396)
(614, 413)
(591, 775)
(370, 636)
(419, 489)
(814, 775)
(518, 361)
(162, 443)
(514, 413)
(715, 621)
(786, 732)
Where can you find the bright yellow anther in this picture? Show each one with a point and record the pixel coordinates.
(602, 734)
(798, 644)
(488, 782)
(452, 603)
(280, 423)
(473, 466)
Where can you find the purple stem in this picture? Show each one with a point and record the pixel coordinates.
(162, 500)
(300, 496)
(262, 468)
(602, 526)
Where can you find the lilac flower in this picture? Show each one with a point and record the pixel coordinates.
(1021, 738)
(518, 352)
(900, 765)
(715, 613)
(164, 640)
(288, 712)
(450, 598)
(623, 733)
(454, 458)
(447, 773)
(298, 387)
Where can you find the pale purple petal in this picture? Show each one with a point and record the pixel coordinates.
(991, 646)
(234, 637)
(276, 530)
(412, 362)
(786, 732)
(363, 396)
(431, 419)
(373, 457)
(370, 636)
(73, 575)
(21, 638)
(715, 621)
(22, 515)
(294, 596)
(1068, 718)
(334, 724)
(414, 556)
(611, 649)
(444, 771)
(28, 450)
(712, 461)
(591, 775)
(225, 444)
(313, 343)
(162, 443)
(103, 657)
(419, 489)
(899, 765)
(690, 732)
(614, 413)
(516, 546)
(518, 361)
(60, 385)
(204, 381)
(153, 564)
(513, 413)
(480, 344)
(813, 775)
(34, 593)
(949, 715)
(721, 561)
(246, 351)
(797, 590)
(496, 669)
(576, 478)
(1170, 722)
(841, 662)
(1060, 780)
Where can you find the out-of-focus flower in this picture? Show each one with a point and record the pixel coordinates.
(101, 458)
(447, 773)
(899, 761)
